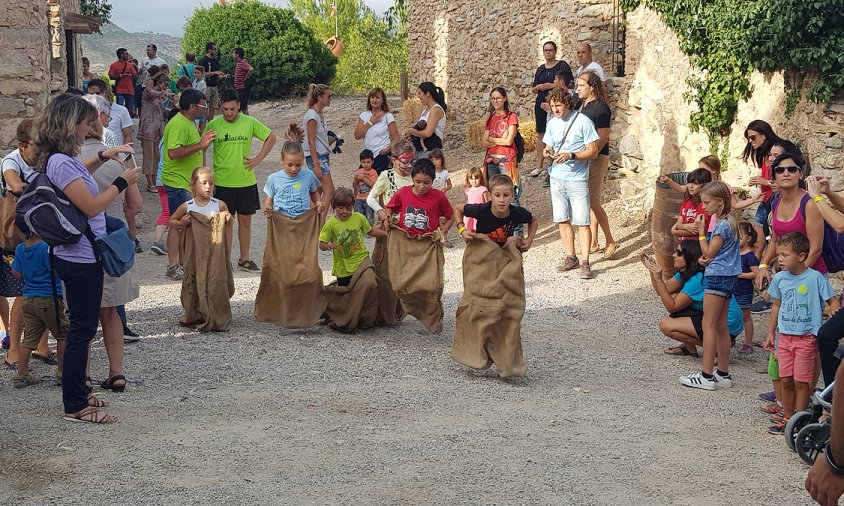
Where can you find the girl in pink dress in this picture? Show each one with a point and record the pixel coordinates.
(476, 192)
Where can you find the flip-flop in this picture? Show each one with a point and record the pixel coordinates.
(51, 359)
(609, 251)
(680, 351)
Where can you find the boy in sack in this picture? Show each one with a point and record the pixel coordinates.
(344, 234)
(498, 218)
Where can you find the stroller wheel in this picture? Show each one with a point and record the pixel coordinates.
(795, 425)
(811, 440)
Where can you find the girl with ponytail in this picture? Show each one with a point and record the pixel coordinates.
(315, 143)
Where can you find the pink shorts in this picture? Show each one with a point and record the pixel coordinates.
(797, 355)
(164, 217)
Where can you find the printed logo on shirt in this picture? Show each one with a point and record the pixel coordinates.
(415, 218)
(233, 138)
(350, 241)
(795, 305)
(297, 186)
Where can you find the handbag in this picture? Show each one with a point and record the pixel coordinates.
(115, 251)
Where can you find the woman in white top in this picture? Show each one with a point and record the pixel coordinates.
(316, 138)
(377, 127)
(430, 136)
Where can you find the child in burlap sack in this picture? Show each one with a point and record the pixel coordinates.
(498, 218)
(420, 206)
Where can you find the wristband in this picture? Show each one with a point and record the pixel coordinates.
(101, 156)
(369, 122)
(837, 469)
(818, 199)
(763, 266)
(461, 229)
(120, 183)
(701, 238)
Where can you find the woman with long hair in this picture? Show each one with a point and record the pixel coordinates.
(429, 130)
(316, 144)
(377, 127)
(499, 136)
(760, 139)
(59, 131)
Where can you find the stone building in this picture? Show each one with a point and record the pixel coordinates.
(468, 47)
(39, 41)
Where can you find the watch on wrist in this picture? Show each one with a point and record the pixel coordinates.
(572, 156)
(101, 155)
(837, 469)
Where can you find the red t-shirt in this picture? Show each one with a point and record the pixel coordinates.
(124, 84)
(688, 214)
(766, 174)
(497, 127)
(419, 214)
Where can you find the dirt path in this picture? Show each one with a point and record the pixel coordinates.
(261, 415)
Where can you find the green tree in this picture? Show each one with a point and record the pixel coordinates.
(373, 57)
(100, 9)
(285, 54)
(316, 15)
(396, 18)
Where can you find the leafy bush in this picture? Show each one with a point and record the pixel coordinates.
(285, 54)
(373, 57)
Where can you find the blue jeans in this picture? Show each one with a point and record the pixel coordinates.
(176, 197)
(363, 208)
(121, 312)
(127, 100)
(83, 289)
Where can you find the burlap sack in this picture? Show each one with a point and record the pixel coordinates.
(489, 316)
(390, 309)
(416, 272)
(354, 306)
(11, 236)
(291, 291)
(208, 283)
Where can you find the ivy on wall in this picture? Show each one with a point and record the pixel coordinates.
(728, 39)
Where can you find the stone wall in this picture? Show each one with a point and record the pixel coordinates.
(469, 47)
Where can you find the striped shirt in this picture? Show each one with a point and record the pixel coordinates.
(240, 70)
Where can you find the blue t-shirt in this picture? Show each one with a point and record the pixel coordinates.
(694, 289)
(728, 260)
(802, 301)
(745, 286)
(582, 132)
(34, 263)
(291, 194)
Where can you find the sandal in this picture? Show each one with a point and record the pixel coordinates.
(89, 384)
(21, 380)
(109, 383)
(609, 251)
(96, 402)
(746, 349)
(90, 415)
(680, 351)
(49, 359)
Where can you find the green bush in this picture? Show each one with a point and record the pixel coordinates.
(285, 54)
(373, 57)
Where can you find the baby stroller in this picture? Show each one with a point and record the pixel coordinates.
(805, 433)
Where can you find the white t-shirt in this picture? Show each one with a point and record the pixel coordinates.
(145, 63)
(440, 128)
(441, 179)
(321, 140)
(209, 209)
(14, 161)
(120, 119)
(200, 86)
(378, 136)
(594, 67)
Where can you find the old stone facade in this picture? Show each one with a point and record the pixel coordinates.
(40, 48)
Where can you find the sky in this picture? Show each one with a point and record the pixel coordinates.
(168, 16)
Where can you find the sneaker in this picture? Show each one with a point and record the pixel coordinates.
(760, 307)
(768, 396)
(152, 189)
(777, 417)
(175, 273)
(585, 270)
(696, 380)
(722, 381)
(771, 408)
(547, 182)
(248, 266)
(536, 172)
(746, 349)
(778, 428)
(6, 342)
(130, 336)
(569, 263)
(158, 249)
(138, 248)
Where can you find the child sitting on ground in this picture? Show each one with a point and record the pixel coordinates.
(362, 184)
(291, 191)
(203, 202)
(343, 235)
(420, 206)
(798, 293)
(40, 308)
(744, 285)
(442, 181)
(498, 218)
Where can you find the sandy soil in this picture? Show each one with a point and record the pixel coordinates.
(263, 415)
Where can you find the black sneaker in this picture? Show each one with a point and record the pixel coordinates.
(130, 336)
(248, 266)
(138, 248)
(760, 307)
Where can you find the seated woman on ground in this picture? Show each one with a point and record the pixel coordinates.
(682, 297)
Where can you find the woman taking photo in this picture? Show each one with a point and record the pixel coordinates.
(543, 82)
(59, 131)
(499, 136)
(594, 106)
(316, 144)
(377, 127)
(428, 131)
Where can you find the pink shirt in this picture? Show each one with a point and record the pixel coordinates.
(474, 195)
(796, 224)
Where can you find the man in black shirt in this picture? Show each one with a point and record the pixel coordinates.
(211, 64)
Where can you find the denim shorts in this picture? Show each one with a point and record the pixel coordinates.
(323, 164)
(744, 300)
(570, 201)
(722, 286)
(761, 217)
(176, 197)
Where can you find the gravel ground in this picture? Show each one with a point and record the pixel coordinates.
(262, 415)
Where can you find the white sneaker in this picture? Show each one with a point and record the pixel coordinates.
(536, 172)
(722, 381)
(696, 380)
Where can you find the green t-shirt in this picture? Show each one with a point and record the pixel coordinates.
(348, 235)
(179, 132)
(232, 144)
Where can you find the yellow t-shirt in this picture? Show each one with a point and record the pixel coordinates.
(348, 236)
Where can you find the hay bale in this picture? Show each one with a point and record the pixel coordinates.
(411, 108)
(475, 132)
(528, 131)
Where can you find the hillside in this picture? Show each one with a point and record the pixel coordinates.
(100, 48)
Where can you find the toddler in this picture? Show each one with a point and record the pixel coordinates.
(343, 235)
(420, 206)
(798, 293)
(292, 191)
(744, 285)
(442, 181)
(476, 192)
(362, 184)
(498, 218)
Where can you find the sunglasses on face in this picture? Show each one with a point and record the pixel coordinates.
(792, 169)
(752, 138)
(678, 252)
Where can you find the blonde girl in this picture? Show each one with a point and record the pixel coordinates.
(315, 144)
(203, 201)
(722, 261)
(476, 192)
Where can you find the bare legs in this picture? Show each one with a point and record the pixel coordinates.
(567, 236)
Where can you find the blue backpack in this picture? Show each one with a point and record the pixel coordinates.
(832, 250)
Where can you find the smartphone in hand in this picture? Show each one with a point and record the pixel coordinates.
(129, 162)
